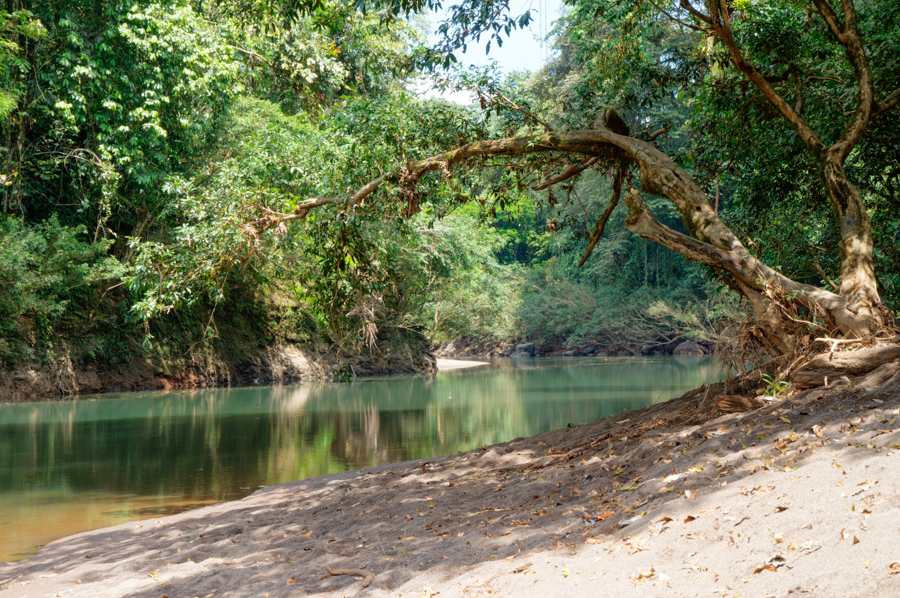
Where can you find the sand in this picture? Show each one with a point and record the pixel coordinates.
(444, 365)
(799, 498)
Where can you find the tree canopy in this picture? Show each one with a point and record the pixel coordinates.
(216, 149)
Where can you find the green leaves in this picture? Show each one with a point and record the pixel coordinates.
(48, 270)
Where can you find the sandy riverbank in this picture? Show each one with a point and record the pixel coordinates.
(675, 499)
(444, 365)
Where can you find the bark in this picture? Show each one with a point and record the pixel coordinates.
(846, 363)
(858, 281)
(710, 242)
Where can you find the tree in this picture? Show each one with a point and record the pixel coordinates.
(832, 45)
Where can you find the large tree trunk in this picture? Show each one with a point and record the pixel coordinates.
(858, 283)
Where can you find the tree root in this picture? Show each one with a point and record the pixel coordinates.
(844, 363)
(368, 575)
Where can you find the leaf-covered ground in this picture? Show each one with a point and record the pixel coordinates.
(800, 498)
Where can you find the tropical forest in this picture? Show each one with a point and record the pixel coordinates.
(276, 233)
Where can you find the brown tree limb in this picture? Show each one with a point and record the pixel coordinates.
(601, 223)
(677, 20)
(751, 275)
(712, 242)
(720, 21)
(824, 276)
(658, 132)
(566, 174)
(887, 103)
(849, 37)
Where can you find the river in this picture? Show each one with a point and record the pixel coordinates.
(72, 466)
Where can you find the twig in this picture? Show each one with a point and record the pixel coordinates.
(825, 276)
(566, 174)
(508, 103)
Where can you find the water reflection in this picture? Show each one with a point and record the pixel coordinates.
(74, 465)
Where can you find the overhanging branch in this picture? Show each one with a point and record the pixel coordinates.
(601, 223)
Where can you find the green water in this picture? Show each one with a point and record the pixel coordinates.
(71, 466)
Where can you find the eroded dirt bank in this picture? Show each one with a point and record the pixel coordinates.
(275, 364)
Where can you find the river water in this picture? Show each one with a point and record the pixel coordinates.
(72, 466)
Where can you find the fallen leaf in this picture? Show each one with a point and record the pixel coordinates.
(855, 540)
(291, 581)
(894, 568)
(689, 518)
(764, 568)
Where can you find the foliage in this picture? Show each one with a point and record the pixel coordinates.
(15, 29)
(773, 191)
(471, 293)
(49, 274)
(154, 142)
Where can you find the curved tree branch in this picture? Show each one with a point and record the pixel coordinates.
(710, 240)
(849, 37)
(887, 103)
(601, 223)
(719, 20)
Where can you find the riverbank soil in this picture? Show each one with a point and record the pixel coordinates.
(797, 498)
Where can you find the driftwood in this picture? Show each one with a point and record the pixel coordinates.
(737, 403)
(368, 575)
(844, 363)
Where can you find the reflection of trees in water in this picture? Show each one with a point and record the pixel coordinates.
(210, 444)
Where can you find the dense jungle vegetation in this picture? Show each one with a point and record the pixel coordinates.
(181, 174)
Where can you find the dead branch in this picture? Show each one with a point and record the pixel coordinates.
(566, 174)
(601, 223)
(502, 100)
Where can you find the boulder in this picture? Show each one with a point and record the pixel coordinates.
(601, 354)
(625, 353)
(689, 349)
(521, 355)
(570, 354)
(450, 349)
(589, 350)
(525, 348)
